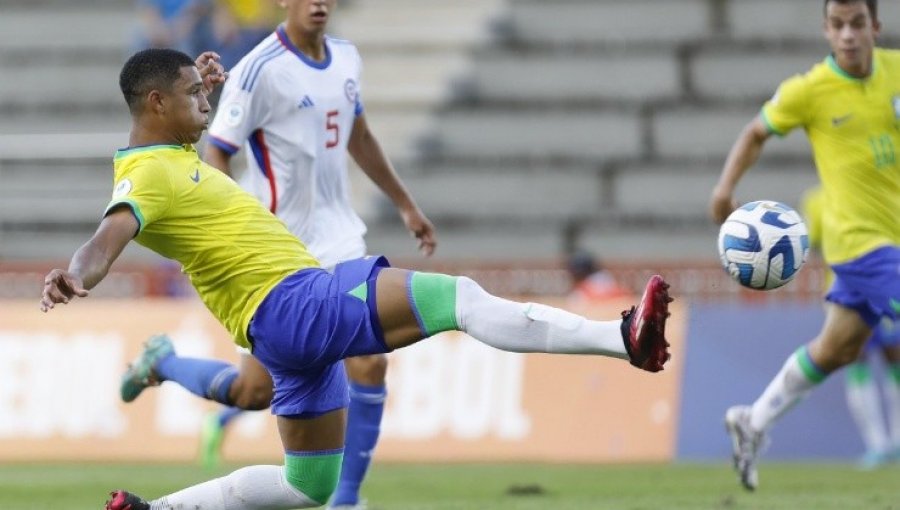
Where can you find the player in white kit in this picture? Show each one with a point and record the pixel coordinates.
(294, 105)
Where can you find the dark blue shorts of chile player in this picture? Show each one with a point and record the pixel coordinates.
(309, 323)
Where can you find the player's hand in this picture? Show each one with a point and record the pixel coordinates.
(421, 228)
(211, 71)
(721, 204)
(59, 287)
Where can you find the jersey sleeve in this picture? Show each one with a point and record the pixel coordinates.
(242, 110)
(146, 190)
(788, 107)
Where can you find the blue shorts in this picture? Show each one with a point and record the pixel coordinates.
(886, 334)
(307, 324)
(869, 284)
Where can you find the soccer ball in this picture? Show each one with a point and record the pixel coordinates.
(763, 244)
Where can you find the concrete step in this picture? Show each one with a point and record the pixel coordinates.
(794, 19)
(682, 191)
(535, 134)
(604, 21)
(485, 191)
(708, 133)
(748, 74)
(505, 76)
(86, 27)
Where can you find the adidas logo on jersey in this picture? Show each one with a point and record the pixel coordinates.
(305, 102)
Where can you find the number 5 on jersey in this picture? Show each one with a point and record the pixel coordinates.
(332, 127)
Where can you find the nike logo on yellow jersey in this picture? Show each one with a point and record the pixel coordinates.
(196, 176)
(838, 121)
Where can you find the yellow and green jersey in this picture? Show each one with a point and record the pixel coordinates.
(853, 126)
(232, 248)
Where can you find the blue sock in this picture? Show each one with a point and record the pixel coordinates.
(207, 378)
(363, 427)
(228, 414)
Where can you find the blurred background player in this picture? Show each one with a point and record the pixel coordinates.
(862, 389)
(239, 25)
(591, 282)
(849, 109)
(180, 24)
(295, 103)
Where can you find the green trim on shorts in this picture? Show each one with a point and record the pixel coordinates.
(433, 297)
(858, 374)
(360, 292)
(314, 474)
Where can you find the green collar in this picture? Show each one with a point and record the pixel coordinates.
(832, 63)
(128, 151)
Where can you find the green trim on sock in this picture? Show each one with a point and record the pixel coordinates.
(859, 374)
(360, 292)
(894, 370)
(434, 298)
(316, 476)
(811, 371)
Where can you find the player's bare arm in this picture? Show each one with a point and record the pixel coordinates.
(743, 154)
(218, 159)
(92, 261)
(368, 154)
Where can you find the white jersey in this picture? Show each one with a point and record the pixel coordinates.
(294, 116)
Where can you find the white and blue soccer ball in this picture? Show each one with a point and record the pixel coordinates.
(763, 244)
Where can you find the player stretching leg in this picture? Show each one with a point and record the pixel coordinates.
(310, 194)
(299, 320)
(848, 105)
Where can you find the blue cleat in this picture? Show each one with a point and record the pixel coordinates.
(139, 374)
(873, 459)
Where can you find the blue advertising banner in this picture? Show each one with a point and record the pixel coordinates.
(733, 352)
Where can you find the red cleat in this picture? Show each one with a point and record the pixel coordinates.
(644, 327)
(123, 500)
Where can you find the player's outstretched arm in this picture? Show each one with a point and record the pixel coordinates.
(368, 154)
(92, 261)
(744, 154)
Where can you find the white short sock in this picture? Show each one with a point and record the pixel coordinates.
(864, 403)
(249, 488)
(788, 388)
(532, 327)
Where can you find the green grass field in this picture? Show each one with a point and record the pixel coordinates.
(499, 487)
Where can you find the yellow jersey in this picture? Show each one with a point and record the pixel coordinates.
(232, 248)
(813, 206)
(853, 126)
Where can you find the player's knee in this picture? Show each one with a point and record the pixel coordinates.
(250, 395)
(368, 370)
(316, 476)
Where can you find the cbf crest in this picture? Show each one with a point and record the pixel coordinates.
(351, 90)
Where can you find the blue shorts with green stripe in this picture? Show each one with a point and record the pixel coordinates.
(307, 324)
(869, 284)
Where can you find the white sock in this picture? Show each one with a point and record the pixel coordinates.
(864, 403)
(789, 387)
(249, 488)
(532, 327)
(892, 400)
